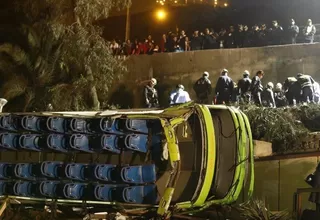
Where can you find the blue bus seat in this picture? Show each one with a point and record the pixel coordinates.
(32, 142)
(137, 142)
(79, 171)
(109, 142)
(79, 125)
(9, 141)
(8, 122)
(105, 192)
(7, 170)
(110, 125)
(53, 169)
(28, 171)
(6, 188)
(104, 172)
(56, 124)
(140, 194)
(33, 123)
(137, 125)
(58, 142)
(51, 189)
(74, 190)
(80, 142)
(26, 189)
(139, 174)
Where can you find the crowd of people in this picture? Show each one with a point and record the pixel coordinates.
(232, 37)
(300, 89)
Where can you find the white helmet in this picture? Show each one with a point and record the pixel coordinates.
(153, 81)
(278, 86)
(270, 85)
(246, 73)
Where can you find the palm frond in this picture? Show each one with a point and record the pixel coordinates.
(16, 53)
(29, 97)
(14, 87)
(257, 210)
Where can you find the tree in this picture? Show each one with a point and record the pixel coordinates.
(59, 56)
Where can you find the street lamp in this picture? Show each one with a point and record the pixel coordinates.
(225, 4)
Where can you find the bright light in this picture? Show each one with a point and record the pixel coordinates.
(161, 14)
(225, 4)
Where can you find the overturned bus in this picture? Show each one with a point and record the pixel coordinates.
(182, 159)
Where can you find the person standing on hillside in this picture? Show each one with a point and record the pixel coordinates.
(309, 32)
(257, 87)
(224, 88)
(151, 94)
(293, 31)
(203, 89)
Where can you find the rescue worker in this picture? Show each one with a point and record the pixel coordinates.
(203, 89)
(279, 96)
(179, 96)
(224, 88)
(306, 86)
(151, 94)
(257, 88)
(316, 89)
(268, 96)
(244, 88)
(292, 90)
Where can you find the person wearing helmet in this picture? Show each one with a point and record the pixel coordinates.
(224, 88)
(151, 94)
(268, 96)
(256, 87)
(279, 96)
(179, 96)
(292, 90)
(306, 86)
(309, 31)
(244, 88)
(203, 89)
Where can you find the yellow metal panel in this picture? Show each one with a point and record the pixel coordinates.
(165, 201)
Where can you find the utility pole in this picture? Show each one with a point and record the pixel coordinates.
(128, 24)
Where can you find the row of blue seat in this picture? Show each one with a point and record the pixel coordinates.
(80, 191)
(73, 125)
(57, 170)
(77, 142)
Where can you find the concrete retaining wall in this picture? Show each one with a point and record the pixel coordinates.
(277, 180)
(170, 69)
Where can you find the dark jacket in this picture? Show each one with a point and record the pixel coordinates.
(268, 98)
(202, 88)
(244, 86)
(224, 85)
(151, 97)
(256, 85)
